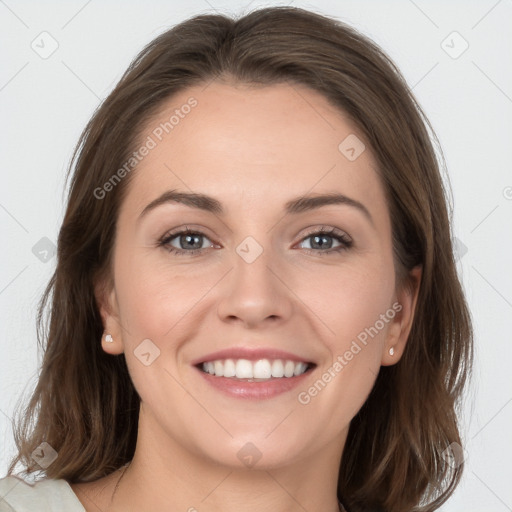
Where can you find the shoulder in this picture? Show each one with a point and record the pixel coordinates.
(48, 495)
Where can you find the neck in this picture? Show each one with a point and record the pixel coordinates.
(164, 474)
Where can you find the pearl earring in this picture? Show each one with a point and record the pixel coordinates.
(108, 338)
(391, 351)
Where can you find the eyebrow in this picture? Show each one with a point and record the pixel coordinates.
(294, 206)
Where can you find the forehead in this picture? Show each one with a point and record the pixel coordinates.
(252, 146)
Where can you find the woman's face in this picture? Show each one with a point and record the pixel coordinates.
(255, 283)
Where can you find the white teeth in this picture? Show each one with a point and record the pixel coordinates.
(243, 369)
(219, 368)
(261, 369)
(229, 368)
(300, 368)
(288, 368)
(209, 368)
(277, 368)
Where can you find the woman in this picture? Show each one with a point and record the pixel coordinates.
(255, 304)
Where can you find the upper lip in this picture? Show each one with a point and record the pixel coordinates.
(251, 354)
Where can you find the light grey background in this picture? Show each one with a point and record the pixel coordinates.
(46, 102)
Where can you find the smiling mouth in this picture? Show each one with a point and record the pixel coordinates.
(255, 371)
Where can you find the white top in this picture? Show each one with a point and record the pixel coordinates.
(48, 495)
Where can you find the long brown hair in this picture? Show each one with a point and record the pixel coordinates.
(85, 405)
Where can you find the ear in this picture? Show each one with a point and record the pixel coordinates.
(106, 299)
(401, 324)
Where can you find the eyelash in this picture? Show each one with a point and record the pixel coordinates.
(345, 241)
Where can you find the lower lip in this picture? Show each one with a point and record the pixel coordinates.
(254, 390)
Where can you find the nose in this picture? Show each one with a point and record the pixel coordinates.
(255, 294)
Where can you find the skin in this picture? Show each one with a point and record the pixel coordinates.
(253, 149)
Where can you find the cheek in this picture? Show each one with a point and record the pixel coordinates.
(154, 296)
(349, 300)
(358, 311)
